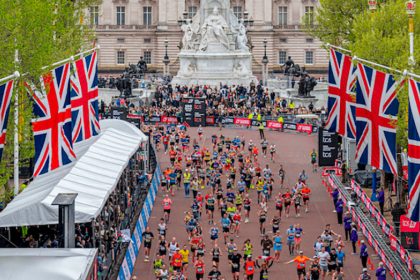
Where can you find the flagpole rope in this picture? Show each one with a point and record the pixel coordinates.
(10, 77)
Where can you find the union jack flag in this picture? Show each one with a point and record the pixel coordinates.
(414, 151)
(52, 125)
(84, 98)
(341, 100)
(5, 97)
(376, 116)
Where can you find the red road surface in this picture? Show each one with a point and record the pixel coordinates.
(293, 151)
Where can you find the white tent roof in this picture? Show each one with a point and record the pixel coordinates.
(63, 264)
(100, 163)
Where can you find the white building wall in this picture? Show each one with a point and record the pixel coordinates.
(134, 38)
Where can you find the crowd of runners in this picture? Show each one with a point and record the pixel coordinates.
(223, 184)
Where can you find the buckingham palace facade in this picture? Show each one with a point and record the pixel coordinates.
(129, 29)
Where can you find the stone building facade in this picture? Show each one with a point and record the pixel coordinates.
(128, 29)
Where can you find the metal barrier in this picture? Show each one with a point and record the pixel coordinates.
(396, 266)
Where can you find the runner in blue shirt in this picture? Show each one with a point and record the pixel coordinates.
(291, 239)
(225, 226)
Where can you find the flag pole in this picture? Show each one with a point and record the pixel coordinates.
(71, 58)
(355, 58)
(413, 75)
(338, 48)
(16, 133)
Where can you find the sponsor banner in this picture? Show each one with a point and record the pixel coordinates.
(274, 125)
(168, 120)
(410, 237)
(210, 121)
(327, 148)
(242, 121)
(135, 116)
(302, 127)
(129, 261)
(289, 126)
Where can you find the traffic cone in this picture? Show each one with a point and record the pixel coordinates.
(370, 264)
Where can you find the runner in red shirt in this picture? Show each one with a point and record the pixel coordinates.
(305, 194)
(177, 261)
(199, 268)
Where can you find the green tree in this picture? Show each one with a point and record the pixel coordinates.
(380, 36)
(334, 21)
(383, 38)
(43, 32)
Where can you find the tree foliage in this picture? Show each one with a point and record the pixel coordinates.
(380, 36)
(43, 32)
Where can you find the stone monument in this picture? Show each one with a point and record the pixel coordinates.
(214, 48)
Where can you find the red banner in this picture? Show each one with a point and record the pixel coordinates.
(274, 125)
(302, 127)
(134, 116)
(407, 225)
(393, 242)
(210, 120)
(242, 121)
(169, 120)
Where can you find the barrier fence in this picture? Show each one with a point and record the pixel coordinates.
(129, 261)
(238, 121)
(373, 237)
(387, 229)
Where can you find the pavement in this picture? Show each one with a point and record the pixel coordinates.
(293, 152)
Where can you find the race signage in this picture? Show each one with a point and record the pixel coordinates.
(194, 111)
(327, 147)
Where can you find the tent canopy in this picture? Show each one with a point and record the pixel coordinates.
(94, 176)
(51, 263)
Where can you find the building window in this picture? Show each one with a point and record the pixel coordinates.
(237, 11)
(147, 15)
(283, 16)
(120, 40)
(309, 57)
(120, 15)
(282, 57)
(309, 14)
(147, 40)
(147, 56)
(121, 57)
(309, 40)
(192, 11)
(94, 15)
(283, 40)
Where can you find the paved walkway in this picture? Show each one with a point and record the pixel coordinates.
(293, 151)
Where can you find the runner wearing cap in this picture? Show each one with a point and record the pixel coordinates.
(300, 264)
(365, 275)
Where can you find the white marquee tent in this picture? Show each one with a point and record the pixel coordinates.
(94, 175)
(30, 263)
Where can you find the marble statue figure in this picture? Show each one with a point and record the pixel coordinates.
(214, 30)
(242, 39)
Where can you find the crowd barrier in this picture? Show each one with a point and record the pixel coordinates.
(238, 121)
(373, 210)
(387, 229)
(129, 261)
(394, 245)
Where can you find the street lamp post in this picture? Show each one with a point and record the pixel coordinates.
(265, 62)
(411, 10)
(166, 60)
